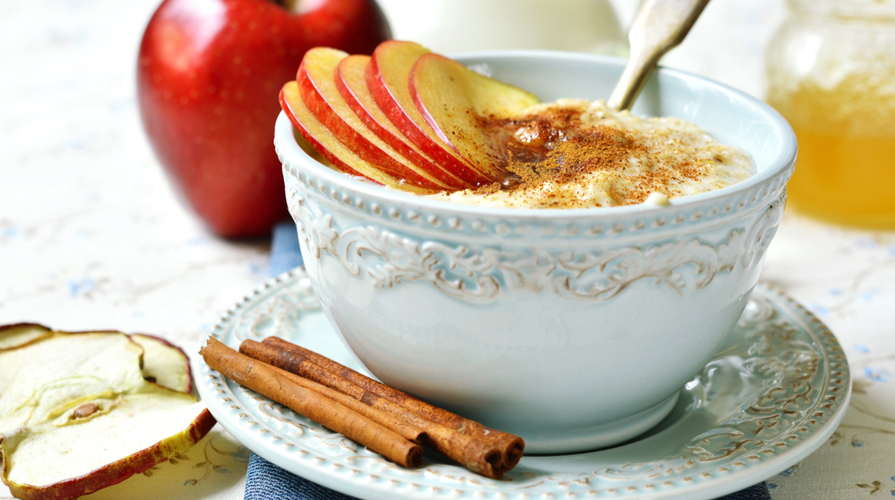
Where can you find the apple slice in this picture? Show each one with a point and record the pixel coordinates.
(351, 80)
(19, 334)
(456, 102)
(76, 415)
(316, 82)
(308, 128)
(388, 81)
(143, 430)
(329, 146)
(164, 363)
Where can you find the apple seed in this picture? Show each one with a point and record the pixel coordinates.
(83, 411)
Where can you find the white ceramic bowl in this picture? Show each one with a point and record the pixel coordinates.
(572, 328)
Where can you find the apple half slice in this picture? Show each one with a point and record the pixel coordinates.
(388, 80)
(164, 363)
(316, 82)
(351, 80)
(19, 334)
(329, 146)
(72, 461)
(77, 415)
(457, 102)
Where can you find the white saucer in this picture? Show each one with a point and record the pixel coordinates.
(773, 395)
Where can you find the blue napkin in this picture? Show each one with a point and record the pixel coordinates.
(285, 253)
(266, 481)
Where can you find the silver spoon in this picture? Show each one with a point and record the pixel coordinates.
(660, 25)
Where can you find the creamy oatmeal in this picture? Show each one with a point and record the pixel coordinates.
(580, 154)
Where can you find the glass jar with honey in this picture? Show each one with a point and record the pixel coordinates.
(831, 74)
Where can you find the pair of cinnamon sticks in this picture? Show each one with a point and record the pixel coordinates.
(380, 417)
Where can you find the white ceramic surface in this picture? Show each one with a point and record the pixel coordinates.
(506, 315)
(448, 26)
(775, 392)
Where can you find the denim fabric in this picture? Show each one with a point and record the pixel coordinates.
(757, 492)
(266, 481)
(285, 253)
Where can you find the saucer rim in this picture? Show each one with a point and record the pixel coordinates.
(321, 469)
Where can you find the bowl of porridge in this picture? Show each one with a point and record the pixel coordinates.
(570, 306)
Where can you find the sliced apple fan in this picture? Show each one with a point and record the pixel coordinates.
(405, 117)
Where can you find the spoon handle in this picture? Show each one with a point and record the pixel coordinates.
(660, 25)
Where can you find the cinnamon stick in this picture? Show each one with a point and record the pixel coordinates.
(485, 453)
(510, 444)
(385, 419)
(282, 388)
(474, 454)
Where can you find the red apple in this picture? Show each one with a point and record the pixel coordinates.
(351, 81)
(317, 85)
(453, 100)
(388, 80)
(207, 81)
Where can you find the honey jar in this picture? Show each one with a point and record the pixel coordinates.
(831, 74)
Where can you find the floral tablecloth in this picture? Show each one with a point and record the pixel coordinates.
(92, 236)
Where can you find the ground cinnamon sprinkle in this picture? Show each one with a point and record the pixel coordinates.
(555, 146)
(576, 154)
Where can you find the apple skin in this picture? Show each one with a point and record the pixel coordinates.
(208, 76)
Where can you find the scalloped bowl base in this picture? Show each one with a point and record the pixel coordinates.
(600, 436)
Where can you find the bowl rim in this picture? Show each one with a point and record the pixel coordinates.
(291, 153)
